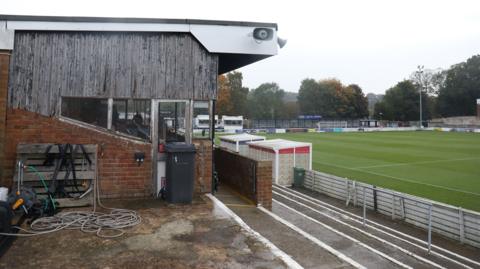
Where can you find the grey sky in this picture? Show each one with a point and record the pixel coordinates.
(371, 43)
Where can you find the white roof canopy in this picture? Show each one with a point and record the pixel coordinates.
(241, 137)
(232, 40)
(277, 144)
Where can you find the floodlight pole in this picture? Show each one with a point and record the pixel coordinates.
(421, 125)
(420, 82)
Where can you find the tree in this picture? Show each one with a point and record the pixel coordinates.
(457, 97)
(401, 103)
(330, 99)
(379, 110)
(359, 102)
(238, 94)
(307, 97)
(372, 100)
(291, 110)
(224, 104)
(429, 80)
(266, 102)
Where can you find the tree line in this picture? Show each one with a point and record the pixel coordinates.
(327, 98)
(445, 93)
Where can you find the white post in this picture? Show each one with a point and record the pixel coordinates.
(429, 229)
(311, 149)
(110, 112)
(461, 225)
(393, 206)
(294, 159)
(277, 160)
(364, 207)
(354, 189)
(347, 198)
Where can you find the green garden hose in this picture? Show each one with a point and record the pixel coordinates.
(42, 179)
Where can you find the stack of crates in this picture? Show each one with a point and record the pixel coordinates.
(284, 154)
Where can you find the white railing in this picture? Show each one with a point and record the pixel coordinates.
(453, 222)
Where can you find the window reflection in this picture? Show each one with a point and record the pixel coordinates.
(171, 121)
(89, 110)
(132, 117)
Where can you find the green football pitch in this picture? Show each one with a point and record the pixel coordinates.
(437, 165)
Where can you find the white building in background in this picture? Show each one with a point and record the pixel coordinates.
(232, 124)
(203, 122)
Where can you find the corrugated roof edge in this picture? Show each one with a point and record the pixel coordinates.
(134, 20)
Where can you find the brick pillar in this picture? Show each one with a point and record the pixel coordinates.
(264, 184)
(4, 66)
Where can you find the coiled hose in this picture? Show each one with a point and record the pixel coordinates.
(116, 220)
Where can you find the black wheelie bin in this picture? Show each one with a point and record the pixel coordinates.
(180, 168)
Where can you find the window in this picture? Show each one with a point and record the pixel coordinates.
(89, 110)
(128, 116)
(171, 121)
(233, 122)
(132, 117)
(201, 119)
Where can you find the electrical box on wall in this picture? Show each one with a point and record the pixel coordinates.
(139, 157)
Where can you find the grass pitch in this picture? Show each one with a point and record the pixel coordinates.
(437, 165)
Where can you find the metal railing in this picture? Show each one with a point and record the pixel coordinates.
(453, 222)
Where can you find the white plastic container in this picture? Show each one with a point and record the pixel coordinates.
(3, 194)
(284, 154)
(238, 143)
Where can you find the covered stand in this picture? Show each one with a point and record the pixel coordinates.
(238, 143)
(285, 155)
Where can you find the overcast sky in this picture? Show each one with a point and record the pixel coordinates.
(374, 44)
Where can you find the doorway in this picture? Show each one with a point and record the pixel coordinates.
(172, 122)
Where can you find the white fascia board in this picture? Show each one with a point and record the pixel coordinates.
(97, 26)
(6, 37)
(233, 39)
(215, 38)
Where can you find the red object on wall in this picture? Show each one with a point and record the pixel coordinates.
(161, 148)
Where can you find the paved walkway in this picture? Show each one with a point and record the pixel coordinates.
(318, 233)
(302, 250)
(170, 236)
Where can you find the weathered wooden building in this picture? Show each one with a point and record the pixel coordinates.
(127, 85)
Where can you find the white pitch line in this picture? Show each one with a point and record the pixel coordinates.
(338, 210)
(289, 261)
(400, 179)
(314, 239)
(365, 233)
(415, 163)
(391, 259)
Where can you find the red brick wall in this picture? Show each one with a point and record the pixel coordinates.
(119, 174)
(203, 165)
(250, 178)
(264, 184)
(4, 65)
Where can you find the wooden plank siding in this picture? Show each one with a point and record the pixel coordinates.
(47, 65)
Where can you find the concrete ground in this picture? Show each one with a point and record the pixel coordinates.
(302, 250)
(199, 235)
(305, 231)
